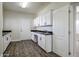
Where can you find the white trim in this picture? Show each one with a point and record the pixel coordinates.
(20, 40)
(74, 27)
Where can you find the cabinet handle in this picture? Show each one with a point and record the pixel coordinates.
(40, 38)
(7, 38)
(10, 35)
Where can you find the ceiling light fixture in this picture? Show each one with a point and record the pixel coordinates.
(23, 4)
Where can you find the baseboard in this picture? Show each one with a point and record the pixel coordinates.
(19, 40)
(15, 40)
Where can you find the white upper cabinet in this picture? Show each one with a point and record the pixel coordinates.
(48, 18)
(37, 21)
(34, 22)
(42, 22)
(43, 19)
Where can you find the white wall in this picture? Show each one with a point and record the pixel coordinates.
(14, 21)
(1, 27)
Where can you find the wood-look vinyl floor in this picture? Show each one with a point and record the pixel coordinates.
(26, 48)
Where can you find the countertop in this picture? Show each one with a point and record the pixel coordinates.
(42, 32)
(5, 32)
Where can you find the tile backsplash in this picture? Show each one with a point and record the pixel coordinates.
(48, 28)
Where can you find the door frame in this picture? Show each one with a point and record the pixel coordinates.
(74, 26)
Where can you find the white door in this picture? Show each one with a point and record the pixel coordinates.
(76, 31)
(60, 31)
(16, 30)
(25, 28)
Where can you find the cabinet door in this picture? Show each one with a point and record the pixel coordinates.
(34, 22)
(37, 21)
(49, 43)
(7, 40)
(9, 37)
(5, 43)
(48, 20)
(32, 36)
(42, 20)
(39, 40)
(43, 41)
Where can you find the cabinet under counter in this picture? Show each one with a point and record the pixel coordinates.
(6, 39)
(44, 41)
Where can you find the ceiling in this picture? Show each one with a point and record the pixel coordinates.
(33, 7)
